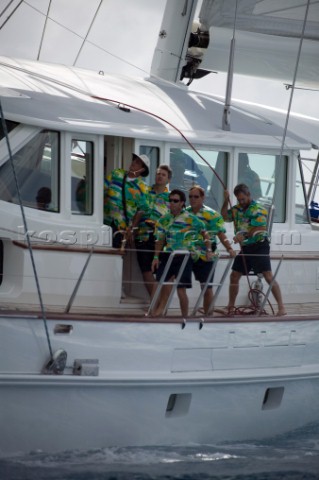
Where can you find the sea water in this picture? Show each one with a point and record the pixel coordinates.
(290, 457)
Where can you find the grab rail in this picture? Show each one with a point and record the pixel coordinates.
(175, 283)
(77, 285)
(220, 285)
(261, 308)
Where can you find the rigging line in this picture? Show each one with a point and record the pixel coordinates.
(88, 41)
(147, 112)
(13, 11)
(116, 102)
(88, 31)
(288, 86)
(291, 95)
(230, 76)
(5, 8)
(44, 29)
(4, 126)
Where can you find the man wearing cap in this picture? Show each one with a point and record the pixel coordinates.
(125, 196)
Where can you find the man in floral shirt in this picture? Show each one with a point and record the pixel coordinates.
(124, 196)
(250, 223)
(214, 225)
(158, 206)
(178, 230)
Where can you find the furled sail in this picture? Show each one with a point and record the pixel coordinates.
(267, 37)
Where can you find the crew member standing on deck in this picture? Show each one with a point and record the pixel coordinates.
(214, 225)
(125, 196)
(250, 222)
(158, 205)
(177, 231)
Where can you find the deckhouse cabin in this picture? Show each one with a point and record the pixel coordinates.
(67, 128)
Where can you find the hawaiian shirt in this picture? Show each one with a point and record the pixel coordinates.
(135, 195)
(244, 220)
(158, 206)
(214, 224)
(180, 232)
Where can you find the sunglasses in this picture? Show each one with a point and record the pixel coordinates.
(194, 196)
(174, 200)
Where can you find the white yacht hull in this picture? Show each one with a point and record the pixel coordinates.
(157, 383)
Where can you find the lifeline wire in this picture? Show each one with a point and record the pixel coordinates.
(88, 32)
(12, 13)
(44, 29)
(292, 90)
(4, 126)
(288, 111)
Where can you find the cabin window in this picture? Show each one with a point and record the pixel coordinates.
(265, 175)
(153, 154)
(36, 165)
(82, 177)
(191, 169)
(10, 126)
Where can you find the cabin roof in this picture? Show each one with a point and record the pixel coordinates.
(60, 97)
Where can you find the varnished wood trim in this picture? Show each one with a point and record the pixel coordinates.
(122, 318)
(69, 248)
(117, 251)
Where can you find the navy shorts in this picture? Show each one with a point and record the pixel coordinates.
(253, 258)
(202, 270)
(145, 253)
(186, 278)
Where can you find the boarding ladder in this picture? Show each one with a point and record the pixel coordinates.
(209, 283)
(175, 283)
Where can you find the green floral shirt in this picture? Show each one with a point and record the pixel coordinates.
(135, 194)
(214, 224)
(244, 220)
(180, 232)
(158, 206)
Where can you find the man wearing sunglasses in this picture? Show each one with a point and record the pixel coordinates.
(177, 231)
(214, 224)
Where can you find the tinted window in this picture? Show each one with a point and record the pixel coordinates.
(82, 177)
(36, 166)
(209, 170)
(265, 175)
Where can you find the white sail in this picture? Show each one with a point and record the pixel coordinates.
(267, 38)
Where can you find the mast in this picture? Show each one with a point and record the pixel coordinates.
(172, 45)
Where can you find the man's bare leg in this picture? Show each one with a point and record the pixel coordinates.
(275, 290)
(149, 282)
(233, 290)
(162, 300)
(208, 298)
(183, 301)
